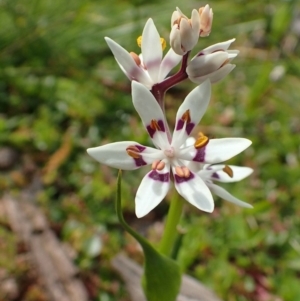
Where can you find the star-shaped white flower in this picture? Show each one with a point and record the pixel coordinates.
(150, 67)
(170, 155)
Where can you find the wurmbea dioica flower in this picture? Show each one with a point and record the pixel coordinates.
(149, 67)
(212, 62)
(170, 154)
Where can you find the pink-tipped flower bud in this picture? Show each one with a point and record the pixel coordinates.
(185, 32)
(212, 62)
(206, 18)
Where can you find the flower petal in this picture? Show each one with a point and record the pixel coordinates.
(217, 47)
(195, 191)
(115, 155)
(127, 63)
(214, 76)
(170, 60)
(224, 194)
(239, 173)
(206, 64)
(152, 190)
(216, 151)
(175, 40)
(187, 35)
(149, 110)
(151, 50)
(195, 104)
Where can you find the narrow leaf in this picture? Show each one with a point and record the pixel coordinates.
(162, 277)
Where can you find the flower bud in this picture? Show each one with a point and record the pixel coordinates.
(206, 17)
(185, 32)
(212, 62)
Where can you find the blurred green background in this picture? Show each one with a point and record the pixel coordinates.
(61, 92)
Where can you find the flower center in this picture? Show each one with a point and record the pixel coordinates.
(170, 153)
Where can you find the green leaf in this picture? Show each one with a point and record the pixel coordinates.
(162, 276)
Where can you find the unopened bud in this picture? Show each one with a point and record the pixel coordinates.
(213, 62)
(206, 18)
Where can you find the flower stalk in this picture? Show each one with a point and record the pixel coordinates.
(172, 221)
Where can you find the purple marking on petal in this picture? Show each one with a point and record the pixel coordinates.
(215, 175)
(162, 177)
(152, 131)
(134, 74)
(179, 180)
(154, 63)
(161, 125)
(179, 125)
(141, 148)
(200, 154)
(139, 161)
(189, 127)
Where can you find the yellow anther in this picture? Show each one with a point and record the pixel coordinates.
(154, 125)
(201, 141)
(133, 152)
(162, 42)
(136, 58)
(228, 170)
(186, 116)
(139, 41)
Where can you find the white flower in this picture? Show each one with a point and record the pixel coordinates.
(185, 32)
(212, 62)
(149, 68)
(170, 155)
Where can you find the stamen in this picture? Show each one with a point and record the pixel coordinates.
(154, 125)
(161, 165)
(158, 165)
(179, 172)
(182, 172)
(136, 58)
(186, 116)
(155, 164)
(186, 171)
(228, 170)
(139, 41)
(133, 152)
(162, 42)
(201, 141)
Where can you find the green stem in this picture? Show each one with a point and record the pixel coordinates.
(170, 233)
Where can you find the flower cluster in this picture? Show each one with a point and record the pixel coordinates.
(192, 164)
